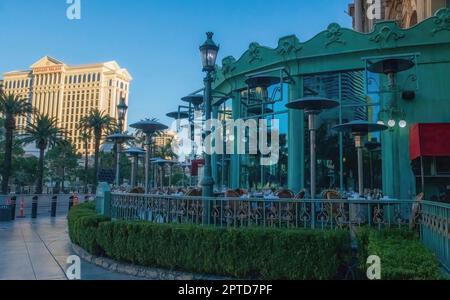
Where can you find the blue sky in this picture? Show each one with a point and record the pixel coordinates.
(156, 40)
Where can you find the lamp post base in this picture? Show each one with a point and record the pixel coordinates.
(207, 184)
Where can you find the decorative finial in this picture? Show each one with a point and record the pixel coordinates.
(210, 34)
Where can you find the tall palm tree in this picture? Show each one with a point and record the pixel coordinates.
(11, 107)
(86, 137)
(99, 124)
(43, 131)
(166, 151)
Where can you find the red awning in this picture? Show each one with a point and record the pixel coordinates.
(429, 140)
(196, 164)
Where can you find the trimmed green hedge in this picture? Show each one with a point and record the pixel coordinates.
(83, 224)
(403, 257)
(244, 253)
(258, 253)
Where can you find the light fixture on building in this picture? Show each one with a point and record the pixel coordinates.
(380, 122)
(392, 123)
(402, 124)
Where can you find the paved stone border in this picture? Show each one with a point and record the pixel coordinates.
(138, 271)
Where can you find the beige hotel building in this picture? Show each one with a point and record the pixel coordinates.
(69, 93)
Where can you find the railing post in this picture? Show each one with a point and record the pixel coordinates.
(71, 199)
(13, 207)
(34, 207)
(107, 204)
(102, 200)
(54, 203)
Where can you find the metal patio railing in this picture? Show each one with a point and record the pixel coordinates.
(435, 230)
(432, 218)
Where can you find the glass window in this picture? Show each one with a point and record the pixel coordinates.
(336, 153)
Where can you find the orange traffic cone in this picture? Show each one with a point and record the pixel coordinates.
(22, 209)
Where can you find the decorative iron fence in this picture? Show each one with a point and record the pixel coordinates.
(286, 213)
(435, 230)
(432, 218)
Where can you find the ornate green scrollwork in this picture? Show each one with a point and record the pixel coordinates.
(228, 65)
(442, 21)
(333, 34)
(254, 52)
(385, 35)
(288, 45)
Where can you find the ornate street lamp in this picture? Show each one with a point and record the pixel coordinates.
(119, 138)
(122, 109)
(208, 51)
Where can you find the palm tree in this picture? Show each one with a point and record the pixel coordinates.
(86, 137)
(11, 107)
(99, 124)
(43, 131)
(166, 151)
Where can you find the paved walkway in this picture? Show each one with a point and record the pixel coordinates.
(38, 250)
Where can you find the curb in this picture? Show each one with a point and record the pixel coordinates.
(138, 271)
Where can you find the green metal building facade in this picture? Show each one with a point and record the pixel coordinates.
(336, 58)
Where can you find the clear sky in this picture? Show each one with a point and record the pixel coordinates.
(156, 40)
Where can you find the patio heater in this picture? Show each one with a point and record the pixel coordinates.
(149, 128)
(263, 82)
(372, 146)
(360, 129)
(134, 153)
(118, 139)
(258, 106)
(161, 163)
(186, 169)
(390, 67)
(313, 106)
(178, 115)
(195, 102)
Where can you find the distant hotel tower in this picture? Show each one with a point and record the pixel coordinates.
(69, 93)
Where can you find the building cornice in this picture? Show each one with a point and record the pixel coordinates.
(336, 41)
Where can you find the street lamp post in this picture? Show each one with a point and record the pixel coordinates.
(122, 109)
(208, 52)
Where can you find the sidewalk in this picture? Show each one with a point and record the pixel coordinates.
(38, 249)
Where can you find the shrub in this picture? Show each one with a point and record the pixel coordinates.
(403, 257)
(83, 223)
(244, 253)
(258, 253)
